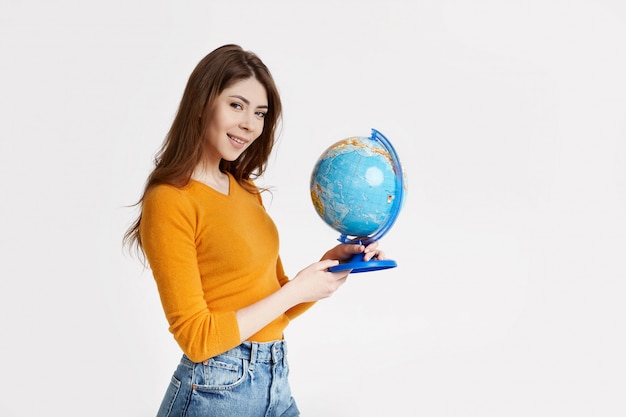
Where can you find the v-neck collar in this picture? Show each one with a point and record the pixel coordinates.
(231, 180)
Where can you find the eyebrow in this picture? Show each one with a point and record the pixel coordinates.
(245, 100)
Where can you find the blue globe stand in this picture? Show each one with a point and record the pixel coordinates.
(357, 263)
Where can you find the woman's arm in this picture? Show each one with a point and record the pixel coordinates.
(311, 284)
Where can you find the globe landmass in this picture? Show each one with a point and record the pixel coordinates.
(353, 186)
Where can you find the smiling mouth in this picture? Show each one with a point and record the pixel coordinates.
(237, 140)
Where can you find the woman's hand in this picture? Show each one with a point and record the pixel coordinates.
(315, 282)
(344, 252)
(311, 284)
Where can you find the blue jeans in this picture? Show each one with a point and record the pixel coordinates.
(249, 380)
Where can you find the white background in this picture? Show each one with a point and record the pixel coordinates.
(509, 117)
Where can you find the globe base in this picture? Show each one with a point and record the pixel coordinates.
(357, 264)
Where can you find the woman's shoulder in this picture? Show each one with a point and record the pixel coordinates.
(163, 191)
(168, 196)
(164, 202)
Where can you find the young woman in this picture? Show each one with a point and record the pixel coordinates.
(214, 251)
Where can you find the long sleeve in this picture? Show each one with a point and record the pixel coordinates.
(211, 254)
(168, 228)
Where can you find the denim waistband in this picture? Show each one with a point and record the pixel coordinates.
(273, 352)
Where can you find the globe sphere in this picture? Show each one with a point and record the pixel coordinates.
(357, 187)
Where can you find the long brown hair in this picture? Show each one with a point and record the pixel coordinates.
(183, 148)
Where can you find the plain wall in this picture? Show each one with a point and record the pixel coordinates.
(509, 118)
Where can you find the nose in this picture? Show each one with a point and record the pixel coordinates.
(249, 121)
(246, 121)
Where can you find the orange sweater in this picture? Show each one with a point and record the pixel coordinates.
(212, 254)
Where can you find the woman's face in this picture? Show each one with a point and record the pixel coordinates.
(236, 119)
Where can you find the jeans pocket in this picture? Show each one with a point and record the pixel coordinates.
(223, 372)
(169, 398)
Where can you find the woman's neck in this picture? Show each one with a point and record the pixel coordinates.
(213, 177)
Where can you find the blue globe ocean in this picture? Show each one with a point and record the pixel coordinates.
(357, 187)
(354, 187)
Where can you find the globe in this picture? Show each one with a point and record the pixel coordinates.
(358, 188)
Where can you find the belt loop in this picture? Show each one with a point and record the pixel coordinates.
(253, 354)
(274, 350)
